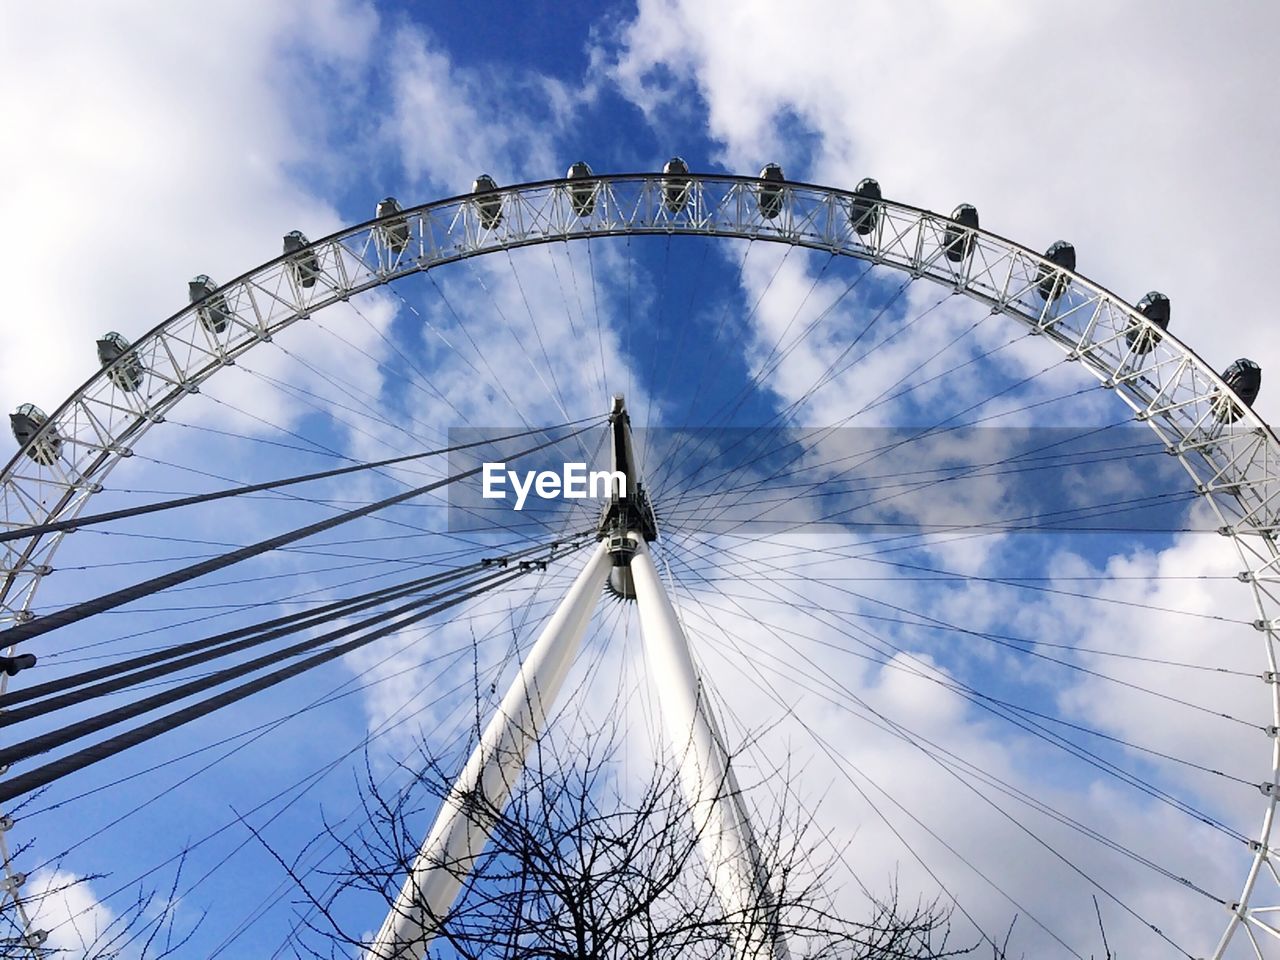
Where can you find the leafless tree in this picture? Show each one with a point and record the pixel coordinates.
(139, 926)
(585, 862)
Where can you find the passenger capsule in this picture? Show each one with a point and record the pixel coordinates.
(675, 184)
(394, 229)
(769, 197)
(127, 372)
(305, 265)
(213, 312)
(1155, 307)
(489, 209)
(582, 196)
(1244, 378)
(1051, 282)
(958, 237)
(26, 422)
(864, 208)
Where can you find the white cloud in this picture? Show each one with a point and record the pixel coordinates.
(1133, 130)
(772, 657)
(149, 144)
(64, 906)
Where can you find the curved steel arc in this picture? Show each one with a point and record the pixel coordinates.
(1233, 461)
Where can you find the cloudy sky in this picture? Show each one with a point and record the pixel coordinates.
(148, 143)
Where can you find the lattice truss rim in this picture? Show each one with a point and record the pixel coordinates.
(1235, 466)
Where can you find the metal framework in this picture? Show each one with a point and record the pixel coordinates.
(1232, 461)
(463, 825)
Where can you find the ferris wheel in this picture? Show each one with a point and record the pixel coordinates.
(199, 576)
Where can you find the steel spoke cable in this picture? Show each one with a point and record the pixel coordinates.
(656, 329)
(370, 403)
(44, 742)
(40, 776)
(439, 560)
(117, 598)
(283, 887)
(595, 310)
(1060, 592)
(365, 406)
(946, 625)
(206, 649)
(424, 388)
(314, 776)
(885, 396)
(1053, 521)
(599, 370)
(833, 372)
(328, 412)
(247, 438)
(887, 654)
(690, 312)
(326, 407)
(294, 498)
(938, 428)
(793, 408)
(728, 407)
(1020, 463)
(845, 766)
(890, 659)
(888, 650)
(193, 499)
(1040, 523)
(911, 738)
(1106, 767)
(767, 365)
(1021, 583)
(553, 388)
(494, 379)
(342, 690)
(1022, 642)
(315, 445)
(627, 351)
(335, 454)
(880, 399)
(297, 598)
(700, 381)
(732, 405)
(1133, 779)
(558, 392)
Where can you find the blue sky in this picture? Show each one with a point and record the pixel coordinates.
(151, 145)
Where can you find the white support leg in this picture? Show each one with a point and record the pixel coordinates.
(726, 839)
(455, 841)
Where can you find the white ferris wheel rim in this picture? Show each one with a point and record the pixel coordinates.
(1234, 466)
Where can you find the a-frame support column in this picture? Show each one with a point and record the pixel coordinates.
(456, 840)
(720, 816)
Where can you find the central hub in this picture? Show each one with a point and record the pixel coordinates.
(628, 514)
(628, 508)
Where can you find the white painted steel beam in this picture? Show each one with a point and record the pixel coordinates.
(725, 833)
(455, 841)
